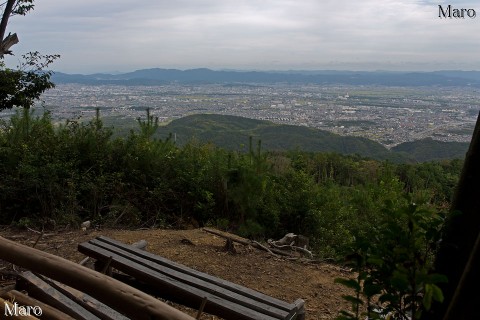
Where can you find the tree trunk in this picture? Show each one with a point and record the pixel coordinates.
(459, 253)
(6, 15)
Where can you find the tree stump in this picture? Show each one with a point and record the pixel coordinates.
(229, 247)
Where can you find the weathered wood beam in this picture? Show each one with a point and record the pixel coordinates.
(182, 287)
(119, 296)
(41, 290)
(93, 305)
(142, 244)
(189, 286)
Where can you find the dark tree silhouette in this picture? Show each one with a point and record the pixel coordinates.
(21, 87)
(459, 254)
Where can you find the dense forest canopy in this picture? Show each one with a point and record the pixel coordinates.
(77, 171)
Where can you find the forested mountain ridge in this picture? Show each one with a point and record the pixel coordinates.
(157, 76)
(233, 132)
(429, 149)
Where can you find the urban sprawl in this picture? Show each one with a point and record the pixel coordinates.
(389, 115)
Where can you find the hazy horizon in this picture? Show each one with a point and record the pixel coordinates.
(114, 72)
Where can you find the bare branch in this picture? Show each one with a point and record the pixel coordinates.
(5, 45)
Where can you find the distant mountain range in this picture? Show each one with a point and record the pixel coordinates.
(158, 76)
(232, 132)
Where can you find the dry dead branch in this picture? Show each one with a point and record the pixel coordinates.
(246, 242)
(291, 247)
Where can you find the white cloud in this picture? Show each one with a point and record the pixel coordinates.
(370, 34)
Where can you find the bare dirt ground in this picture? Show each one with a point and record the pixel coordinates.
(277, 277)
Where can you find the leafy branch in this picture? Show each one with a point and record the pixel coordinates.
(395, 266)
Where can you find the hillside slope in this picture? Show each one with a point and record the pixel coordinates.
(429, 149)
(233, 133)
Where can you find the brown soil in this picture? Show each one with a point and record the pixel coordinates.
(277, 277)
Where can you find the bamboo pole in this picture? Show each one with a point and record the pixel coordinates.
(119, 296)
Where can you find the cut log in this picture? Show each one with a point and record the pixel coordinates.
(127, 300)
(6, 289)
(11, 307)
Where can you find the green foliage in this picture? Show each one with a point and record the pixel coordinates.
(251, 230)
(23, 86)
(428, 149)
(231, 132)
(149, 126)
(394, 264)
(77, 171)
(22, 7)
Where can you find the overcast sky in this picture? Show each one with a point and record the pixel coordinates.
(118, 35)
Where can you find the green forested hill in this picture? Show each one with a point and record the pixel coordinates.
(233, 132)
(429, 149)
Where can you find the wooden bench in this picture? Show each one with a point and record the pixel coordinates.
(189, 287)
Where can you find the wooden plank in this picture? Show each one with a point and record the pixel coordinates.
(96, 307)
(175, 289)
(42, 291)
(299, 312)
(130, 301)
(296, 307)
(247, 292)
(48, 312)
(201, 284)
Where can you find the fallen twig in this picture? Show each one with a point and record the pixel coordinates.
(266, 249)
(246, 242)
(38, 239)
(292, 247)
